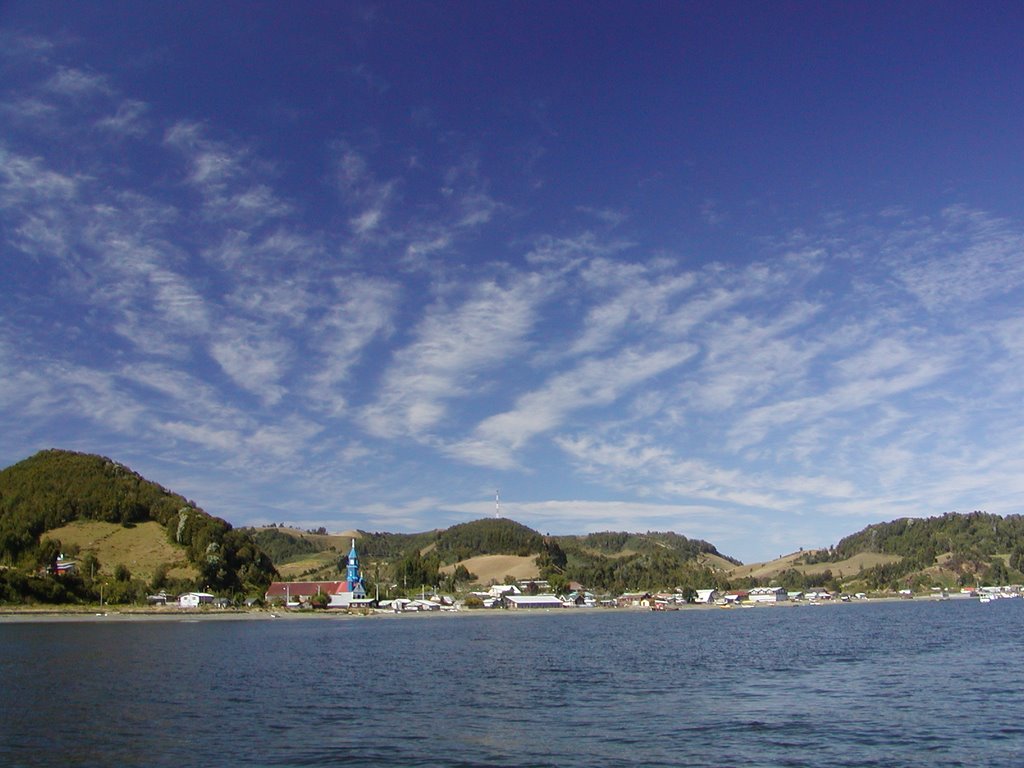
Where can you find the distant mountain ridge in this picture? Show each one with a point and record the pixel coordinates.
(55, 488)
(604, 561)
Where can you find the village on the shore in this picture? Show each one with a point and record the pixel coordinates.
(350, 594)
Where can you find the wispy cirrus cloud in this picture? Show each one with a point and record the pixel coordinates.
(963, 257)
(254, 359)
(367, 196)
(641, 297)
(77, 83)
(592, 383)
(128, 119)
(451, 350)
(222, 174)
(360, 312)
(30, 180)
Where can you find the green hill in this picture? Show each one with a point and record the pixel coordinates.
(487, 536)
(618, 561)
(55, 488)
(949, 551)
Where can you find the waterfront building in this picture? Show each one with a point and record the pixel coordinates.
(768, 595)
(531, 601)
(194, 599)
(343, 594)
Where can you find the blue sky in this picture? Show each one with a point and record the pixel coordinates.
(751, 272)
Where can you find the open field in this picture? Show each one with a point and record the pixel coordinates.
(497, 567)
(141, 547)
(842, 569)
(314, 561)
(715, 562)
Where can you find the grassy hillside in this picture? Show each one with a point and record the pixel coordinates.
(622, 543)
(841, 568)
(495, 568)
(143, 548)
(949, 551)
(54, 490)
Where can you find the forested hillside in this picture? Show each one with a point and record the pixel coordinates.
(55, 487)
(977, 534)
(617, 561)
(955, 548)
(607, 562)
(487, 536)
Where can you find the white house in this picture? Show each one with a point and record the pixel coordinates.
(498, 590)
(532, 601)
(194, 599)
(767, 595)
(706, 596)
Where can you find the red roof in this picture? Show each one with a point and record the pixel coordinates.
(305, 588)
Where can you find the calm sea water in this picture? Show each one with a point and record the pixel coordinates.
(893, 684)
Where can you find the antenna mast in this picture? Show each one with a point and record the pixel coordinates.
(497, 505)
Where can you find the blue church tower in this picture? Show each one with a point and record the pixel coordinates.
(354, 583)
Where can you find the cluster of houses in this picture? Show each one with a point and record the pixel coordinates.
(532, 595)
(350, 594)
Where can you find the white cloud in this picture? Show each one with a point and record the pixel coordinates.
(367, 221)
(452, 348)
(640, 301)
(594, 382)
(225, 176)
(127, 120)
(203, 435)
(964, 258)
(29, 180)
(360, 311)
(76, 83)
(254, 360)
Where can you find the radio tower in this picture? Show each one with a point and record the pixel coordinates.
(497, 505)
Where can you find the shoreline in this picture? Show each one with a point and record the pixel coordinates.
(16, 615)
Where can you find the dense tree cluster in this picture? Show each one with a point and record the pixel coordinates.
(282, 546)
(618, 542)
(977, 534)
(640, 572)
(974, 547)
(489, 536)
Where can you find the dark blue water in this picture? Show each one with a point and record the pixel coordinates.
(894, 684)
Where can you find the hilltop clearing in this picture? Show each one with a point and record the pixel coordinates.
(488, 568)
(143, 548)
(842, 569)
